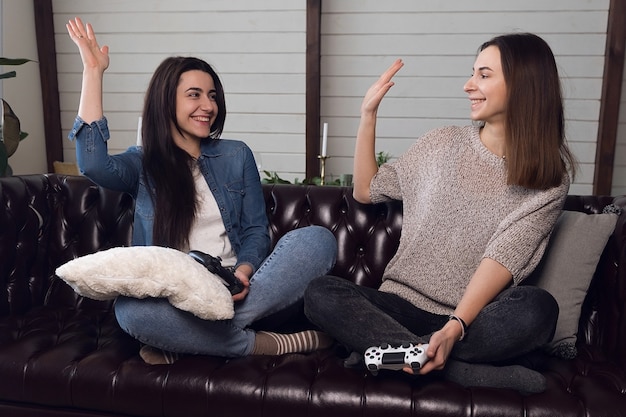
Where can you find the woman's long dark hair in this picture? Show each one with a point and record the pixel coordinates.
(166, 167)
(536, 150)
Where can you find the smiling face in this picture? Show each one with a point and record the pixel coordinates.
(487, 88)
(196, 107)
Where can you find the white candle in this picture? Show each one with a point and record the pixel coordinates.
(324, 139)
(139, 131)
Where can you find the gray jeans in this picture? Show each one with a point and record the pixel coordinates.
(519, 320)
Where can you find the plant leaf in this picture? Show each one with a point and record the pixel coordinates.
(14, 61)
(9, 74)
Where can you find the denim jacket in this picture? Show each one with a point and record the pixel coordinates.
(227, 165)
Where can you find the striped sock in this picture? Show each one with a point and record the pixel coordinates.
(269, 343)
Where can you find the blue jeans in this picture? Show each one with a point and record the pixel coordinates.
(519, 320)
(299, 256)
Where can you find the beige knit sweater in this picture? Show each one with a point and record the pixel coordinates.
(458, 209)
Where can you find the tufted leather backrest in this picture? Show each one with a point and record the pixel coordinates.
(24, 220)
(47, 220)
(367, 235)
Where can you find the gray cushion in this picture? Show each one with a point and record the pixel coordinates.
(567, 268)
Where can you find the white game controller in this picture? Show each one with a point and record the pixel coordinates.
(389, 357)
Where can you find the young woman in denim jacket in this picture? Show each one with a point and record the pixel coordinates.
(195, 191)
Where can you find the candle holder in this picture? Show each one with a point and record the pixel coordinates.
(322, 159)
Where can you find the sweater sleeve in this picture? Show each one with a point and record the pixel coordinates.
(387, 184)
(521, 238)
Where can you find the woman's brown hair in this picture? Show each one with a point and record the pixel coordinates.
(166, 167)
(536, 150)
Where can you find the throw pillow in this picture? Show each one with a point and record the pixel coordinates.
(566, 270)
(150, 271)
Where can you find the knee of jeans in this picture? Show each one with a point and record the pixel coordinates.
(324, 235)
(313, 312)
(128, 314)
(541, 304)
(315, 295)
(312, 291)
(329, 243)
(550, 305)
(317, 238)
(327, 289)
(318, 235)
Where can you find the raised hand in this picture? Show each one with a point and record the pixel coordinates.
(92, 55)
(95, 62)
(377, 91)
(365, 166)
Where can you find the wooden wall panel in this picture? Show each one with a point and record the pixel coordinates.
(262, 51)
(438, 42)
(257, 48)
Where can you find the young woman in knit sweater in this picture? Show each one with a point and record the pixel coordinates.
(480, 203)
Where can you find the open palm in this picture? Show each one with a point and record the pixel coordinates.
(92, 55)
(377, 91)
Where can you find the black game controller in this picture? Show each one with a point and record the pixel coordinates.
(214, 265)
(396, 358)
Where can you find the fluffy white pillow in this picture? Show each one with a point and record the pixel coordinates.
(567, 268)
(150, 271)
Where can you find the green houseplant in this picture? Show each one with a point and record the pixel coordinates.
(10, 130)
(382, 157)
(272, 177)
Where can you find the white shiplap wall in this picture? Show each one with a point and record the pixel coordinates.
(438, 41)
(257, 48)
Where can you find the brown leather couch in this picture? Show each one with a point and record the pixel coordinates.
(64, 355)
